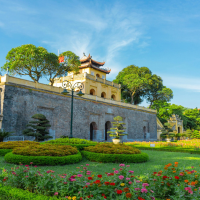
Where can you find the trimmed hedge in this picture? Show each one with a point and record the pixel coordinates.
(8, 192)
(43, 160)
(116, 158)
(70, 141)
(170, 149)
(3, 152)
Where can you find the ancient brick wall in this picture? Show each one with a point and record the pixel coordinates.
(19, 103)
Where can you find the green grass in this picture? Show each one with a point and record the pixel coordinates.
(157, 160)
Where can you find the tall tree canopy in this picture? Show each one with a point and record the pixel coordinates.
(139, 83)
(55, 69)
(37, 62)
(27, 60)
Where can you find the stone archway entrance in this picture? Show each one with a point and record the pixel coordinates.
(93, 126)
(107, 128)
(145, 132)
(179, 130)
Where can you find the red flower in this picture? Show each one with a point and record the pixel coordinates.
(102, 195)
(106, 183)
(111, 174)
(119, 191)
(97, 181)
(112, 184)
(90, 178)
(105, 197)
(81, 198)
(176, 177)
(99, 176)
(164, 177)
(140, 198)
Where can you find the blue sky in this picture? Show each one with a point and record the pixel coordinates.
(161, 35)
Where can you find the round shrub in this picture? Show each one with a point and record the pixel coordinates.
(116, 158)
(45, 150)
(43, 160)
(70, 141)
(109, 152)
(110, 148)
(6, 147)
(13, 144)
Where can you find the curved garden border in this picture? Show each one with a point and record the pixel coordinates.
(3, 152)
(43, 160)
(116, 158)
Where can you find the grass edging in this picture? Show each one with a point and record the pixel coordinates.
(8, 192)
(3, 152)
(43, 160)
(169, 149)
(116, 158)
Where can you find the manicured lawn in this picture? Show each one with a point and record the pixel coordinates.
(156, 162)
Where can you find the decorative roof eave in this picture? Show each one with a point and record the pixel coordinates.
(93, 61)
(90, 65)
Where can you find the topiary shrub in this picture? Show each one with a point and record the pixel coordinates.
(70, 141)
(6, 147)
(111, 153)
(37, 128)
(4, 134)
(43, 160)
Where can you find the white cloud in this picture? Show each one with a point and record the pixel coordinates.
(192, 84)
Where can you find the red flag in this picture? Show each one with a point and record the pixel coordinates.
(61, 59)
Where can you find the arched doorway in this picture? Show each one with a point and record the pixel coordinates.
(107, 128)
(144, 132)
(92, 92)
(113, 97)
(103, 95)
(93, 127)
(179, 130)
(97, 75)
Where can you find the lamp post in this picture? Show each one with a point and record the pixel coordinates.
(77, 85)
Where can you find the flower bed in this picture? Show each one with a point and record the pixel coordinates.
(44, 155)
(109, 152)
(170, 183)
(6, 147)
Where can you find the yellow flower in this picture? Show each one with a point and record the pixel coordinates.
(74, 198)
(122, 184)
(93, 175)
(69, 198)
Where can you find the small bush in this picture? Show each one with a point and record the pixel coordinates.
(71, 141)
(43, 160)
(45, 150)
(116, 158)
(3, 152)
(110, 148)
(13, 144)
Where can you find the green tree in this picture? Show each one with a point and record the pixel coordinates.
(156, 91)
(37, 128)
(4, 134)
(167, 131)
(118, 129)
(134, 82)
(27, 60)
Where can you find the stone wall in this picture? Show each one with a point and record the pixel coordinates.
(19, 103)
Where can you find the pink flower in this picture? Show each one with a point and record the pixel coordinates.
(144, 190)
(26, 165)
(56, 193)
(84, 167)
(116, 171)
(79, 175)
(87, 183)
(120, 169)
(48, 171)
(130, 182)
(26, 176)
(88, 173)
(127, 178)
(127, 165)
(122, 165)
(35, 166)
(145, 184)
(137, 189)
(189, 190)
(137, 181)
(153, 198)
(121, 177)
(131, 172)
(31, 163)
(73, 179)
(192, 167)
(87, 164)
(152, 191)
(113, 168)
